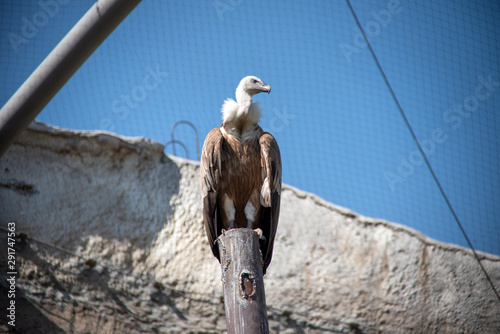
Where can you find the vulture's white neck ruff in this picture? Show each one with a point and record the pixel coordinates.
(240, 119)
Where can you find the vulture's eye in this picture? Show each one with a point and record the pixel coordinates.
(254, 81)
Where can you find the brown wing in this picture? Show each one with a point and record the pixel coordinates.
(270, 201)
(210, 170)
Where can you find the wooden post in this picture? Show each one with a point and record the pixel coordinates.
(243, 282)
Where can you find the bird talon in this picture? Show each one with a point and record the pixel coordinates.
(260, 233)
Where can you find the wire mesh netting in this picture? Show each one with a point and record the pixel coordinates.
(340, 132)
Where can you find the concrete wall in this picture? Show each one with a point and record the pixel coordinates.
(137, 212)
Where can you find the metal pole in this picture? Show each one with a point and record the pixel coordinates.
(66, 58)
(195, 132)
(243, 282)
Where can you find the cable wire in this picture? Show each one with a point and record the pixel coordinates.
(422, 151)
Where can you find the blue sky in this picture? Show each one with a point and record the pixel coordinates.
(339, 130)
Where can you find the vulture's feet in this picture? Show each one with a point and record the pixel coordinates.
(260, 234)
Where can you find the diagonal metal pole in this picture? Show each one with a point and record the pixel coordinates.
(66, 58)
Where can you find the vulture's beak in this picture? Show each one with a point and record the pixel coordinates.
(266, 88)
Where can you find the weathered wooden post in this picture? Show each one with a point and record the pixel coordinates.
(243, 282)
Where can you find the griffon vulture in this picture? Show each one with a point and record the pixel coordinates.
(241, 172)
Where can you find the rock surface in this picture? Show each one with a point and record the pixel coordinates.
(115, 244)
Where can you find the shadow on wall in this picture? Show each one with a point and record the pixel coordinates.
(26, 316)
(51, 298)
(33, 320)
(64, 187)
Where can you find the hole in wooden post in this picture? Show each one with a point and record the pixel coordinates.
(247, 285)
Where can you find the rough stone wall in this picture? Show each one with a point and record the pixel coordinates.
(135, 213)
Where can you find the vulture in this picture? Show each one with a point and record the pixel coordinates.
(240, 172)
